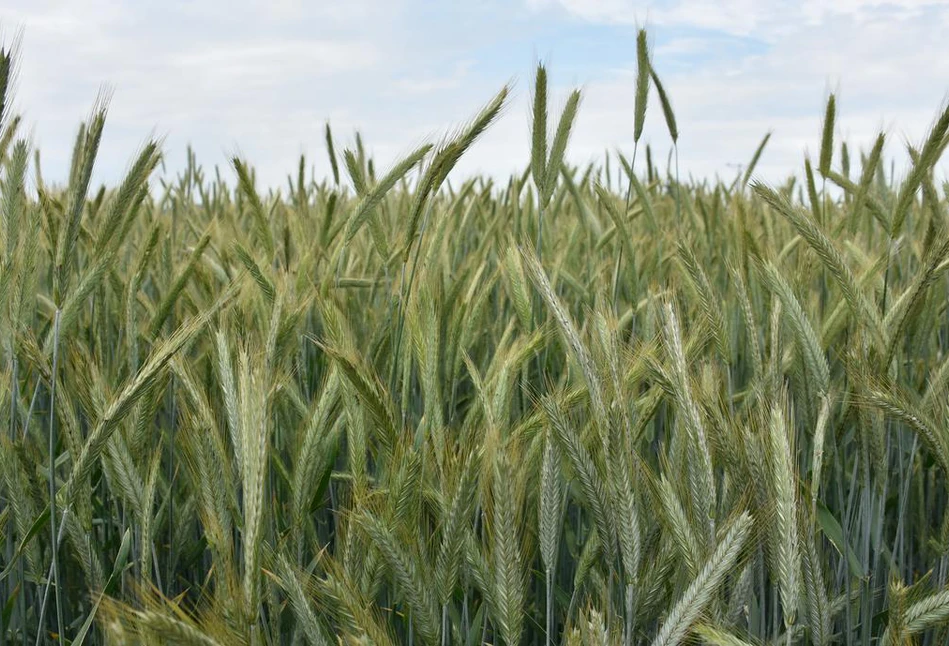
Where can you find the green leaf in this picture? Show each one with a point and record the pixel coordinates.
(835, 533)
(38, 524)
(120, 561)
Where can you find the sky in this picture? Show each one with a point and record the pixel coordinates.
(261, 78)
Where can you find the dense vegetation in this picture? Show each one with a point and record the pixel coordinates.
(393, 408)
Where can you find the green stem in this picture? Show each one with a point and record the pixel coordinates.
(54, 580)
(550, 606)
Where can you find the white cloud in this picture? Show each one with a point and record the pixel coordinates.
(682, 47)
(262, 78)
(319, 57)
(432, 83)
(246, 74)
(884, 59)
(764, 19)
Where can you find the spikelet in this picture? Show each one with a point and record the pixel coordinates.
(570, 335)
(701, 475)
(705, 585)
(785, 546)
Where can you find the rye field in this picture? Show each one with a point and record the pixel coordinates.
(585, 405)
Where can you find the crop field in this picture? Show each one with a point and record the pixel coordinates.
(584, 405)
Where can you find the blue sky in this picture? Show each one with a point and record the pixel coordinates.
(261, 78)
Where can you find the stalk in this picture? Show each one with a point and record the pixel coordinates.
(549, 580)
(54, 543)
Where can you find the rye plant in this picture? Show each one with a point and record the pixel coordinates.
(403, 406)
